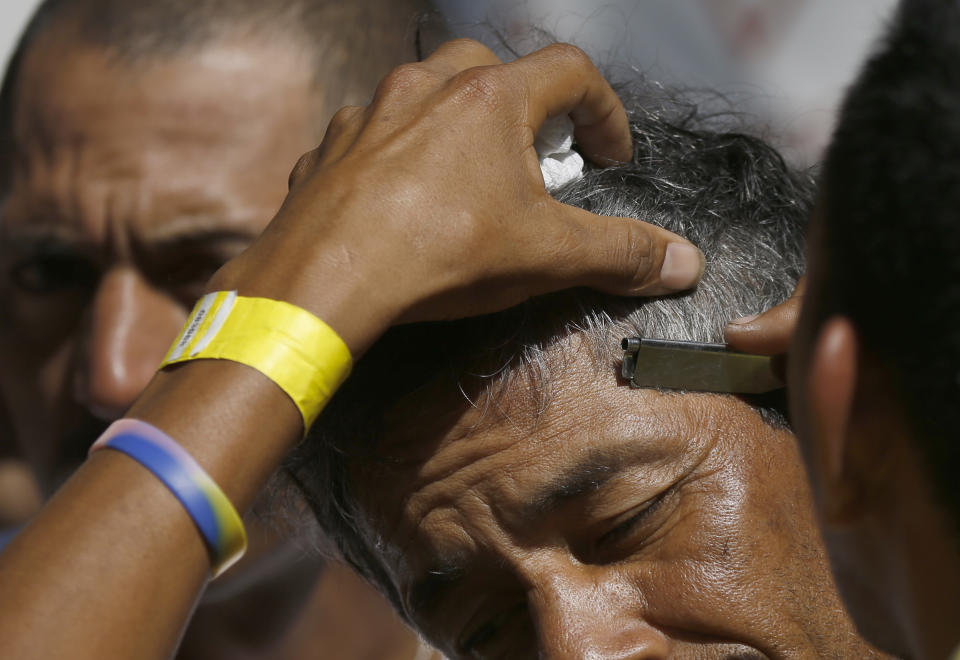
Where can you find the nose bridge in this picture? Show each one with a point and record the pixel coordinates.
(131, 327)
(589, 612)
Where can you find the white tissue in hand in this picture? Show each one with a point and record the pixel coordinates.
(559, 163)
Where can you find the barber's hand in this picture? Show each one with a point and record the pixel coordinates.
(768, 333)
(429, 203)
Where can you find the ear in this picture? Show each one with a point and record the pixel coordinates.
(831, 392)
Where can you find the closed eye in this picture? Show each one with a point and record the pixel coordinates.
(487, 633)
(623, 529)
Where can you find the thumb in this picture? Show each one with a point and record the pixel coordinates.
(620, 256)
(768, 333)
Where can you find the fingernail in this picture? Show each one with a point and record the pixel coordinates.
(682, 266)
(744, 320)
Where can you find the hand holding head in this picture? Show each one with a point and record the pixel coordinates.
(429, 203)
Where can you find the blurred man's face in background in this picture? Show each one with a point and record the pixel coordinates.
(617, 523)
(131, 185)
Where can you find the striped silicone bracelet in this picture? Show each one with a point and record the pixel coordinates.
(219, 523)
(304, 356)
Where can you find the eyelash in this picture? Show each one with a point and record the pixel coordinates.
(624, 528)
(489, 629)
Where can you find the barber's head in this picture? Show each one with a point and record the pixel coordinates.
(513, 496)
(145, 143)
(877, 387)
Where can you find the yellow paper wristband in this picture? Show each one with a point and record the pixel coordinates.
(287, 344)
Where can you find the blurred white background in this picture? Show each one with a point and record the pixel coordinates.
(785, 61)
(13, 16)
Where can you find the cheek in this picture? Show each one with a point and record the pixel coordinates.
(775, 517)
(38, 337)
(36, 391)
(34, 377)
(782, 504)
(744, 541)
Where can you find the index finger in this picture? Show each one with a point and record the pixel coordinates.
(561, 79)
(768, 333)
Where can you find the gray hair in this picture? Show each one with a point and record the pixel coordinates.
(729, 193)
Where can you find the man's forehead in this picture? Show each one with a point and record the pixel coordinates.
(202, 141)
(535, 459)
(480, 415)
(574, 444)
(74, 89)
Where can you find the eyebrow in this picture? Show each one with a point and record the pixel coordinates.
(586, 476)
(216, 226)
(202, 236)
(51, 237)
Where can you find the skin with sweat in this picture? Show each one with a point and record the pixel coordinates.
(131, 186)
(618, 523)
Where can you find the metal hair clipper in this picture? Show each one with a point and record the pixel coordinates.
(697, 367)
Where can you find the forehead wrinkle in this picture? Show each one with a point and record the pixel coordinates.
(42, 230)
(465, 458)
(501, 488)
(56, 140)
(66, 194)
(433, 517)
(513, 413)
(178, 104)
(76, 182)
(439, 496)
(465, 452)
(669, 442)
(636, 419)
(454, 553)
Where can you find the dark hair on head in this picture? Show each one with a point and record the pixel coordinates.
(890, 225)
(352, 44)
(729, 193)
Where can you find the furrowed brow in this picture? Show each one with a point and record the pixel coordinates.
(212, 225)
(207, 236)
(586, 476)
